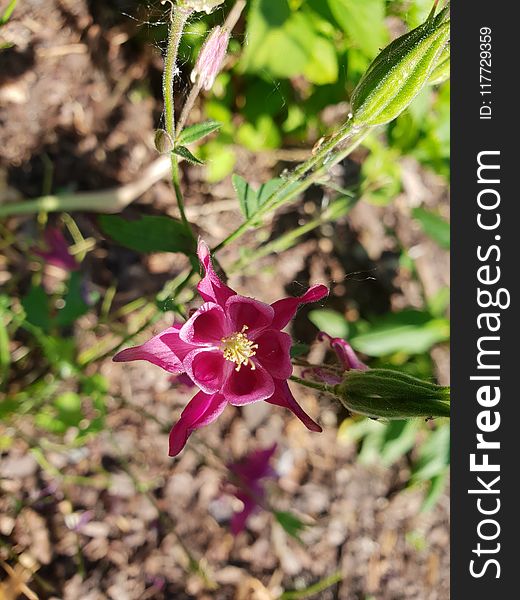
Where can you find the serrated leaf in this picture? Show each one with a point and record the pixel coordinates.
(187, 155)
(149, 234)
(196, 132)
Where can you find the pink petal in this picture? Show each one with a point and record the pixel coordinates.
(283, 397)
(207, 326)
(248, 385)
(346, 355)
(58, 250)
(255, 315)
(201, 410)
(239, 519)
(165, 350)
(344, 351)
(273, 352)
(255, 466)
(210, 287)
(285, 309)
(207, 368)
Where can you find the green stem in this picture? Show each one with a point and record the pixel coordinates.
(337, 208)
(322, 387)
(178, 193)
(179, 17)
(348, 137)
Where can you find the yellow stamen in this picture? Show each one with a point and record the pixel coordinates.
(238, 348)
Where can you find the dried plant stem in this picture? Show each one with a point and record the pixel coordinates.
(103, 201)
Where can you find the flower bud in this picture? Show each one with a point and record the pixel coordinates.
(392, 395)
(400, 71)
(211, 56)
(162, 141)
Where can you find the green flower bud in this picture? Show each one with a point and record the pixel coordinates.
(442, 71)
(392, 395)
(162, 141)
(400, 71)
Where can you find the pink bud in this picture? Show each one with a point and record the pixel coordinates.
(211, 56)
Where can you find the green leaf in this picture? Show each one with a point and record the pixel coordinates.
(434, 455)
(398, 439)
(437, 486)
(149, 234)
(408, 331)
(291, 523)
(196, 132)
(5, 355)
(36, 306)
(286, 43)
(187, 155)
(363, 22)
(330, 322)
(75, 306)
(6, 15)
(434, 226)
(299, 350)
(261, 134)
(251, 200)
(220, 160)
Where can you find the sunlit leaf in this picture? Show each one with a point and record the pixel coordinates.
(149, 233)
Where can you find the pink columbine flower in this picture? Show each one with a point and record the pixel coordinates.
(233, 349)
(248, 475)
(210, 58)
(57, 252)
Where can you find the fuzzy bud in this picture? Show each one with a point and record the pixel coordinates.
(383, 393)
(442, 70)
(400, 71)
(210, 59)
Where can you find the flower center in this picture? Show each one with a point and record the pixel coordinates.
(238, 348)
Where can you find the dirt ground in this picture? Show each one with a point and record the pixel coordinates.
(117, 518)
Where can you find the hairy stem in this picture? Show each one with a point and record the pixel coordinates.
(179, 17)
(322, 387)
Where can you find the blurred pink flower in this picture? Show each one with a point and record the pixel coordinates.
(210, 58)
(248, 474)
(57, 252)
(232, 348)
